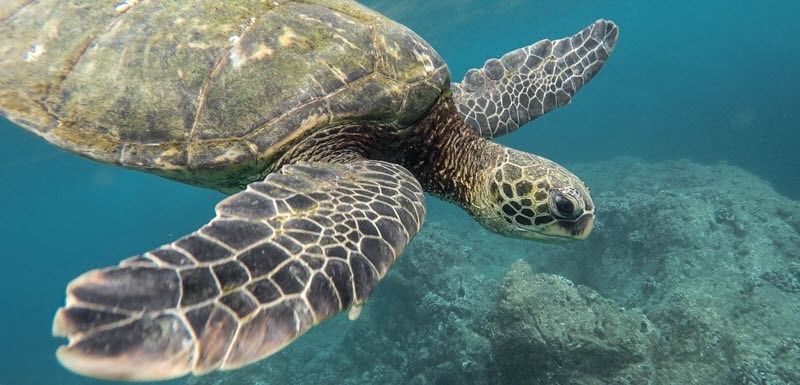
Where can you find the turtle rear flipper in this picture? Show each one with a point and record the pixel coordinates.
(285, 254)
(531, 81)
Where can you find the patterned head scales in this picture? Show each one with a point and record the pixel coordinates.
(532, 197)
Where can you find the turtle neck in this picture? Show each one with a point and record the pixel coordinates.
(445, 154)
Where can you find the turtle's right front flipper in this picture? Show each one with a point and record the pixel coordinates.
(531, 81)
(280, 257)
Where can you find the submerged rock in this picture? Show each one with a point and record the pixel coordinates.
(709, 253)
(549, 331)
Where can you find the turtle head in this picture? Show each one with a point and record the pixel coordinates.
(527, 196)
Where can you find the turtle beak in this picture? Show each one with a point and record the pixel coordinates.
(583, 226)
(563, 230)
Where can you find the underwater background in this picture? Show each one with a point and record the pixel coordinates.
(688, 137)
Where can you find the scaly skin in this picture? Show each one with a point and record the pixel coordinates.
(532, 197)
(507, 191)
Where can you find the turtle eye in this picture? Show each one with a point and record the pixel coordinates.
(565, 208)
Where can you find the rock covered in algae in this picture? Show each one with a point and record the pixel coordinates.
(709, 254)
(551, 331)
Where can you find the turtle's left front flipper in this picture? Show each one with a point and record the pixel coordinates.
(285, 254)
(531, 81)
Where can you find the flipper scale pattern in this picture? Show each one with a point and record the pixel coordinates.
(279, 257)
(531, 81)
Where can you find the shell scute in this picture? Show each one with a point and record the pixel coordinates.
(206, 92)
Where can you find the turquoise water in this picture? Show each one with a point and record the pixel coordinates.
(708, 81)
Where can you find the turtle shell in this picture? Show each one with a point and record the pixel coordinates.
(203, 91)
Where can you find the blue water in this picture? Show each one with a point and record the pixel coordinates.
(705, 80)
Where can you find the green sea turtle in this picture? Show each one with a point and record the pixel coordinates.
(325, 120)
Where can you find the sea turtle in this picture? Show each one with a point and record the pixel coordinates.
(325, 120)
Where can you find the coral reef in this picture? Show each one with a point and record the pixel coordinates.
(788, 281)
(692, 246)
(689, 278)
(549, 331)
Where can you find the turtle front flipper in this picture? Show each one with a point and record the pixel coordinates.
(531, 81)
(281, 256)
